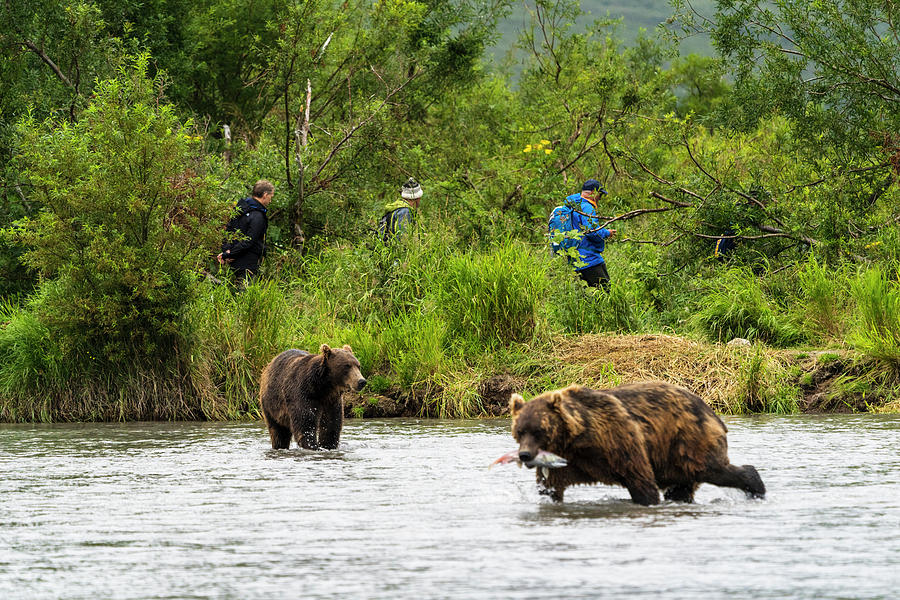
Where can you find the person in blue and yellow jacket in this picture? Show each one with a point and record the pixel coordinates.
(593, 241)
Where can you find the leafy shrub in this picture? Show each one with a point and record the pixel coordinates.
(29, 357)
(234, 336)
(493, 297)
(126, 217)
(573, 307)
(413, 344)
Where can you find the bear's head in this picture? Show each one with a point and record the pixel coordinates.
(342, 368)
(548, 422)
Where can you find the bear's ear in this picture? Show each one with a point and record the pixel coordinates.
(516, 402)
(573, 420)
(347, 348)
(554, 399)
(325, 350)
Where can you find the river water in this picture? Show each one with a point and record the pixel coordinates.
(409, 509)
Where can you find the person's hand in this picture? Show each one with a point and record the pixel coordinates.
(612, 232)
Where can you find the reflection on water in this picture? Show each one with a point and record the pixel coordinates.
(408, 509)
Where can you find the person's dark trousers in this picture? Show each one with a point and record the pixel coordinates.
(243, 277)
(596, 276)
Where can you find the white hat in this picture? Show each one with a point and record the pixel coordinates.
(411, 190)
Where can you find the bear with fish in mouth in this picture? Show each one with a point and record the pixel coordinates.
(301, 396)
(643, 436)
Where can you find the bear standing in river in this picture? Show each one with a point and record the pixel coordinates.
(644, 436)
(300, 396)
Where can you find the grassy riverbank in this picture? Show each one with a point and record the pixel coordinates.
(445, 332)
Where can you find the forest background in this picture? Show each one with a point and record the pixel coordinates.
(130, 128)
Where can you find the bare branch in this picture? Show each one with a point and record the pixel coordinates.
(49, 62)
(652, 242)
(659, 196)
(337, 147)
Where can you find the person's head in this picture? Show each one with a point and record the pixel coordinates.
(592, 190)
(262, 192)
(411, 191)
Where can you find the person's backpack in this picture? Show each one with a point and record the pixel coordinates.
(389, 223)
(385, 226)
(561, 222)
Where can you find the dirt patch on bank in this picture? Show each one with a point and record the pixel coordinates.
(495, 391)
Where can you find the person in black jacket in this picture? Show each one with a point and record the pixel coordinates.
(243, 248)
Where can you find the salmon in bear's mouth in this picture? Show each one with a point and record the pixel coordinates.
(544, 459)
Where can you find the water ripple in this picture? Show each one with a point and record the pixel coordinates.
(408, 509)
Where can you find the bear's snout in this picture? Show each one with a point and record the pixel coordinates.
(361, 383)
(525, 456)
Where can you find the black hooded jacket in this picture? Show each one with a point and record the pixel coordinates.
(246, 242)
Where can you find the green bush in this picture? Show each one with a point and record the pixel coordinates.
(29, 360)
(493, 297)
(573, 307)
(414, 347)
(126, 217)
(234, 336)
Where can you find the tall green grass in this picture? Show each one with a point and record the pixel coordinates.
(737, 306)
(493, 298)
(765, 386)
(823, 303)
(877, 332)
(430, 316)
(233, 336)
(39, 381)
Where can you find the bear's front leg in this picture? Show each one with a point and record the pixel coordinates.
(330, 424)
(555, 494)
(303, 425)
(553, 482)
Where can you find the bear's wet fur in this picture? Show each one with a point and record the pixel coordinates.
(643, 436)
(300, 396)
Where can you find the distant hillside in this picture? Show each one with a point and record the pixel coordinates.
(636, 15)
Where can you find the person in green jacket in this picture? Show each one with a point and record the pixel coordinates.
(400, 214)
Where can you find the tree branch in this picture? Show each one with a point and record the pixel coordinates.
(336, 148)
(49, 62)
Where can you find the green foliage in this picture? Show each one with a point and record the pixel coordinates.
(29, 356)
(118, 197)
(53, 53)
(413, 345)
(877, 333)
(826, 65)
(234, 336)
(126, 216)
(494, 297)
(737, 306)
(576, 308)
(825, 306)
(765, 386)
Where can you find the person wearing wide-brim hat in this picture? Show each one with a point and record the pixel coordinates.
(400, 214)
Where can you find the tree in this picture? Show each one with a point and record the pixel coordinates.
(126, 216)
(832, 67)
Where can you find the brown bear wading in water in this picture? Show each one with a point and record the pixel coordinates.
(300, 395)
(644, 436)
